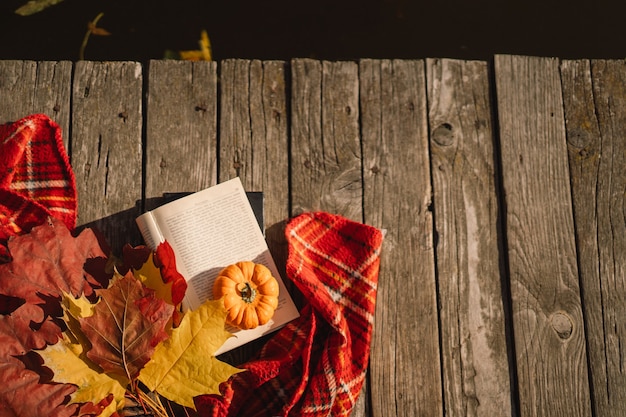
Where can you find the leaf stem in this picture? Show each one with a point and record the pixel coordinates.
(154, 404)
(92, 24)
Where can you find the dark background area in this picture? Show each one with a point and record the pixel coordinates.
(323, 29)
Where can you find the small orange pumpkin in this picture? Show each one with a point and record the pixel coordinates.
(250, 294)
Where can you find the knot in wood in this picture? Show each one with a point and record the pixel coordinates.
(582, 134)
(562, 325)
(443, 134)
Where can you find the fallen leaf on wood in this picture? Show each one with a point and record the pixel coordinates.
(127, 324)
(25, 329)
(69, 366)
(22, 395)
(47, 262)
(189, 355)
(161, 276)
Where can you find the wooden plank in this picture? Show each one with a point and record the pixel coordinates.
(405, 361)
(472, 313)
(325, 139)
(253, 145)
(547, 314)
(254, 140)
(326, 146)
(181, 128)
(106, 147)
(595, 98)
(28, 87)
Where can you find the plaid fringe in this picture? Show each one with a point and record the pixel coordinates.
(316, 365)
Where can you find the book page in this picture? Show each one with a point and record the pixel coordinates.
(208, 231)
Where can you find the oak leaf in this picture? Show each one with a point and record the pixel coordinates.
(49, 261)
(21, 394)
(25, 329)
(189, 355)
(127, 324)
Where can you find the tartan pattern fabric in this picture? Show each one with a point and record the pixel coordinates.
(316, 365)
(36, 179)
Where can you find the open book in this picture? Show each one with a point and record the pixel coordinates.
(209, 230)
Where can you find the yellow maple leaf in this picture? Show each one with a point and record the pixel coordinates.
(64, 359)
(73, 310)
(77, 307)
(150, 276)
(184, 365)
(202, 54)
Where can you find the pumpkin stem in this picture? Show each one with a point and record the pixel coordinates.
(248, 293)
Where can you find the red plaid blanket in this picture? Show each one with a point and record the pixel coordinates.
(316, 365)
(36, 180)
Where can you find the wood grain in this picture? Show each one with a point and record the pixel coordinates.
(106, 147)
(28, 87)
(594, 100)
(254, 140)
(547, 314)
(325, 138)
(253, 131)
(411, 147)
(405, 359)
(472, 318)
(181, 128)
(326, 146)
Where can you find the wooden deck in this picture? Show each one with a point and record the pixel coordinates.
(501, 185)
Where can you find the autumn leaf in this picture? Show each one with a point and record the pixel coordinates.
(78, 307)
(35, 6)
(75, 309)
(166, 262)
(160, 274)
(202, 54)
(189, 355)
(67, 362)
(22, 395)
(47, 262)
(126, 325)
(133, 257)
(92, 29)
(25, 329)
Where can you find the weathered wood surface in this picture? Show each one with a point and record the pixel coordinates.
(547, 312)
(36, 87)
(595, 101)
(106, 147)
(469, 271)
(405, 377)
(502, 287)
(180, 144)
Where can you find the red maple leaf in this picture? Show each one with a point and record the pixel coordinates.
(49, 261)
(165, 260)
(127, 324)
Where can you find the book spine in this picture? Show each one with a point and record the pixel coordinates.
(150, 230)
